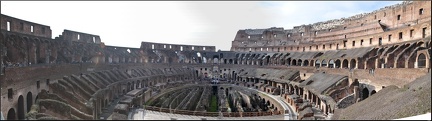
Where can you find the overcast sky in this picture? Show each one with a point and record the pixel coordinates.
(214, 23)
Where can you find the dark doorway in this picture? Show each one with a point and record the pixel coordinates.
(11, 114)
(29, 101)
(365, 93)
(373, 92)
(21, 114)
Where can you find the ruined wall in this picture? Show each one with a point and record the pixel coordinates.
(176, 47)
(12, 24)
(410, 18)
(70, 35)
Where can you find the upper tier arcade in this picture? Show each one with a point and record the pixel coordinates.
(407, 21)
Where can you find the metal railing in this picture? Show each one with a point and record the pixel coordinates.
(213, 114)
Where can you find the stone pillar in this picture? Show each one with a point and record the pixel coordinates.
(356, 93)
(304, 94)
(376, 63)
(95, 106)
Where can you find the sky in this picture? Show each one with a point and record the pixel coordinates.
(209, 23)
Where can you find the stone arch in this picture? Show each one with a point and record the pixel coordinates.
(306, 63)
(317, 63)
(365, 93)
(294, 62)
(331, 63)
(288, 61)
(353, 63)
(267, 60)
(282, 62)
(296, 90)
(299, 63)
(372, 92)
(421, 61)
(230, 61)
(338, 64)
(324, 63)
(11, 114)
(311, 63)
(21, 113)
(29, 101)
(355, 83)
(345, 63)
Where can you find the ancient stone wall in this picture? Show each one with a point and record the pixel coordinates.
(176, 47)
(408, 18)
(70, 35)
(12, 24)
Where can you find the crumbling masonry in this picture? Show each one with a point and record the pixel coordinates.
(315, 68)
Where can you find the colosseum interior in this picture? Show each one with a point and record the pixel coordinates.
(369, 66)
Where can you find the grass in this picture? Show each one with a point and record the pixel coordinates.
(213, 104)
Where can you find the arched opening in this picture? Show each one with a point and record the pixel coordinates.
(204, 60)
(365, 93)
(317, 63)
(11, 114)
(311, 63)
(331, 64)
(21, 114)
(421, 61)
(215, 60)
(345, 63)
(288, 61)
(294, 62)
(373, 92)
(353, 64)
(267, 60)
(324, 63)
(230, 61)
(306, 63)
(299, 62)
(29, 101)
(337, 64)
(355, 83)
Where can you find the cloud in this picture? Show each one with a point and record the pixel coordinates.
(185, 22)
